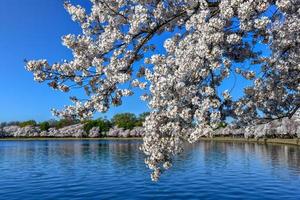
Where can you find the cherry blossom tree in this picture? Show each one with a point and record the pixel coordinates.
(212, 41)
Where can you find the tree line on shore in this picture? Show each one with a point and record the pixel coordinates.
(129, 125)
(126, 121)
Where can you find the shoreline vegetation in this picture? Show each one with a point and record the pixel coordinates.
(282, 141)
(126, 126)
(121, 125)
(286, 141)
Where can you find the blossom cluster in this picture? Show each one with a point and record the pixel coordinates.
(213, 41)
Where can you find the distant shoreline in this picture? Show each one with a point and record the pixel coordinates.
(294, 141)
(66, 138)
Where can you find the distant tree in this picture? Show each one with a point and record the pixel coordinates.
(65, 122)
(28, 123)
(13, 123)
(141, 118)
(44, 126)
(3, 124)
(52, 122)
(103, 124)
(125, 120)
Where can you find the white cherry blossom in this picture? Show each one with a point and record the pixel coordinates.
(212, 41)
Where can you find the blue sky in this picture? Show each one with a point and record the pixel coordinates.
(32, 29)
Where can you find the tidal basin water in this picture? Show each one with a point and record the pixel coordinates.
(115, 170)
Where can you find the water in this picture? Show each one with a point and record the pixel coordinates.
(116, 170)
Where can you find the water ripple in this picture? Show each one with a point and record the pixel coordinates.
(116, 170)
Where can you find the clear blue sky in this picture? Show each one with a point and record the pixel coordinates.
(32, 29)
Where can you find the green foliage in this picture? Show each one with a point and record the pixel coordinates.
(13, 123)
(221, 125)
(88, 125)
(64, 122)
(3, 124)
(122, 120)
(125, 120)
(138, 123)
(103, 124)
(28, 123)
(44, 126)
(141, 118)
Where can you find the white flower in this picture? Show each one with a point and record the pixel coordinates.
(233, 39)
(226, 95)
(261, 23)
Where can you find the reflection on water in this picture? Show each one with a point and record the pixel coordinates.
(116, 169)
(278, 156)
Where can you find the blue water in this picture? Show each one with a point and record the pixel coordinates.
(116, 170)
